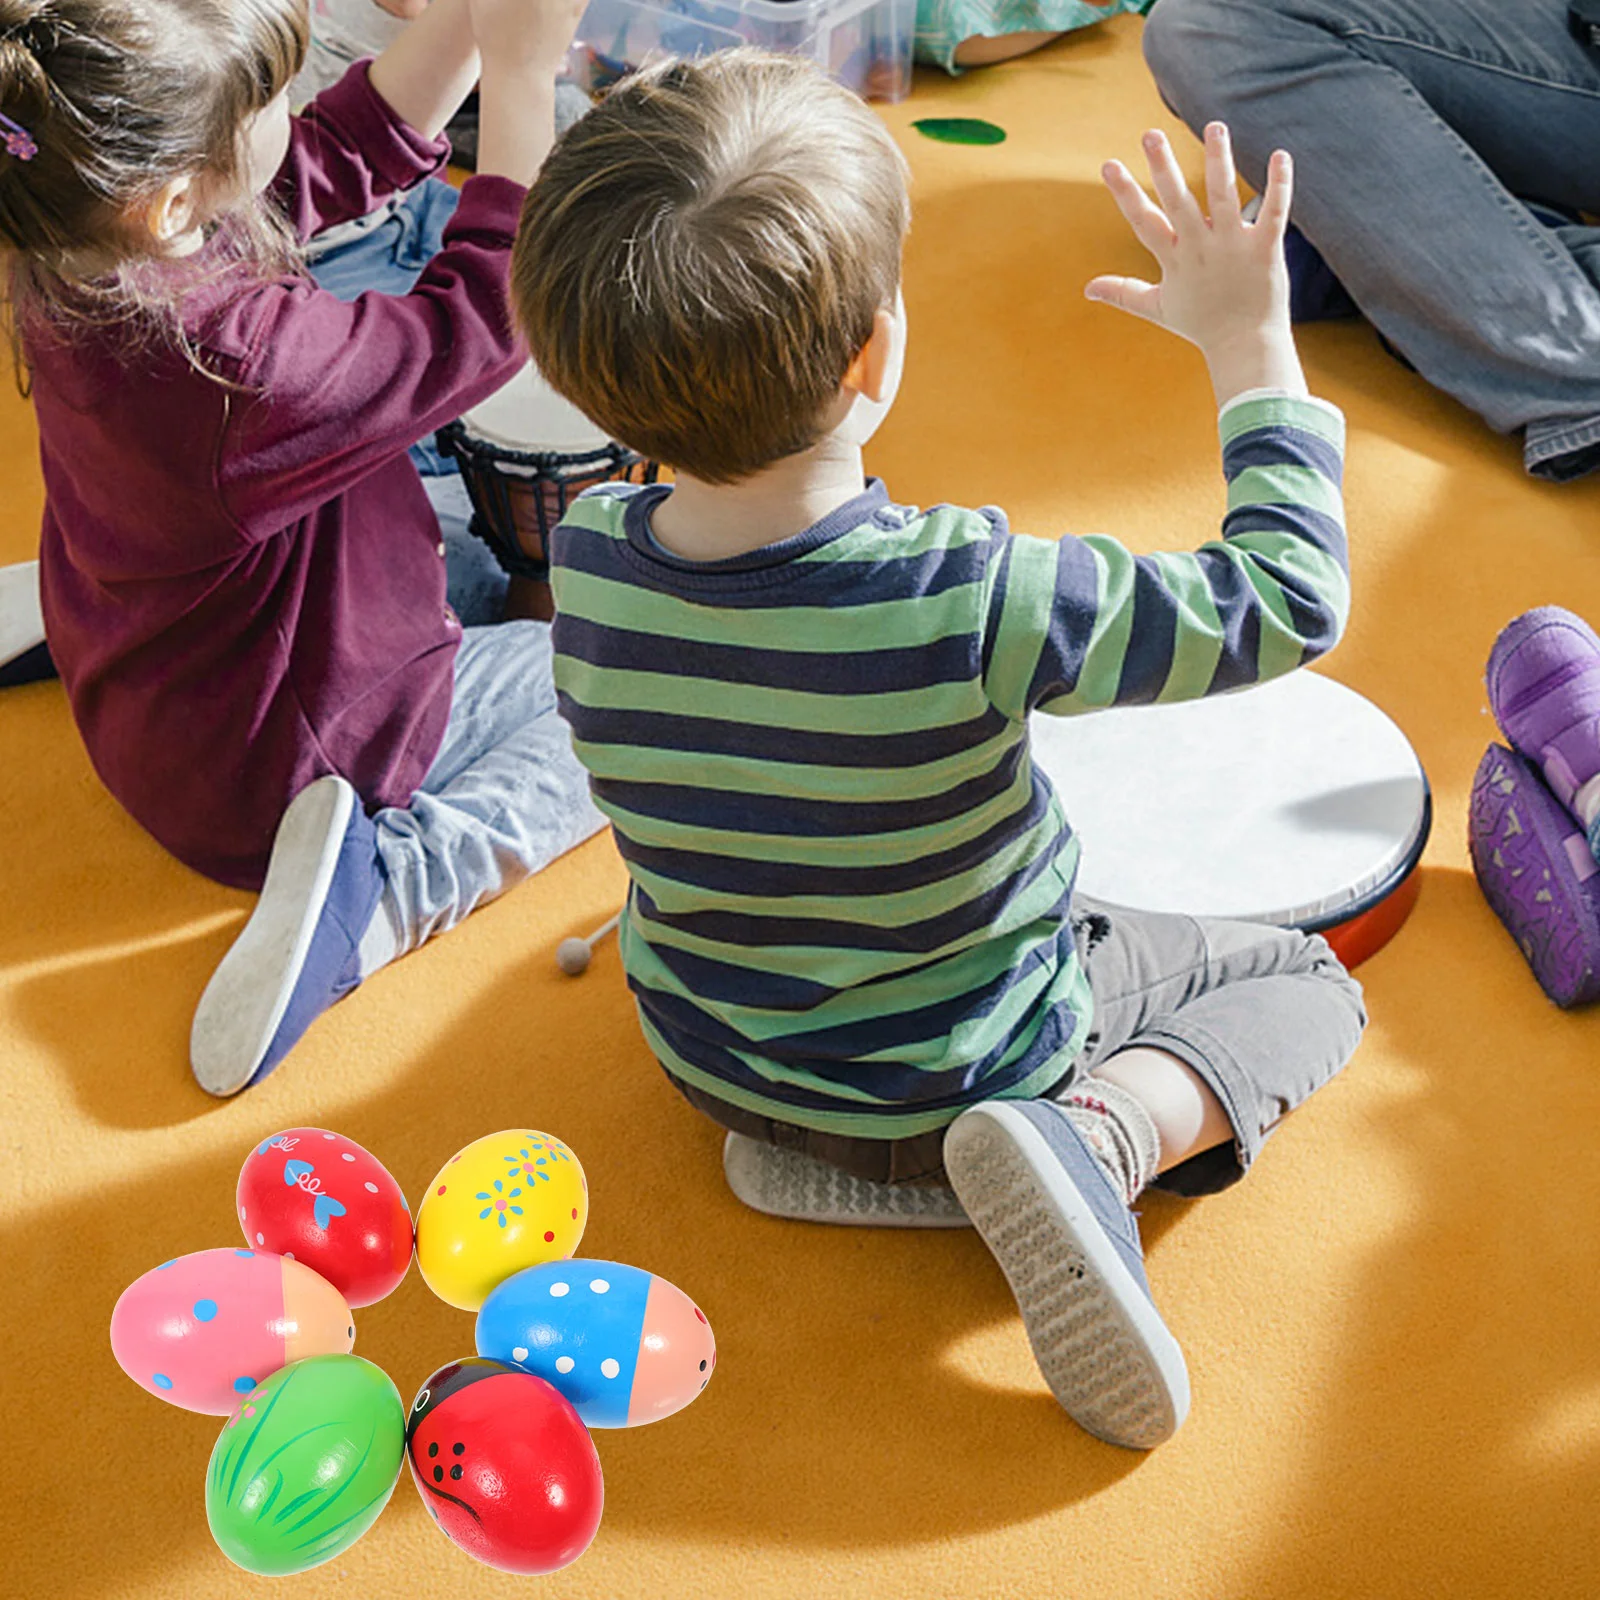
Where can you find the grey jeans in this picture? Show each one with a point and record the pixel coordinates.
(1414, 124)
(1263, 1015)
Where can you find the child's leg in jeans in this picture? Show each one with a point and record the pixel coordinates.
(1215, 1029)
(345, 893)
(1218, 1029)
(505, 795)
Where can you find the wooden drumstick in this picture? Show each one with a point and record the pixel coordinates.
(572, 955)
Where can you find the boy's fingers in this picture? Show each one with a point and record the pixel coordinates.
(1222, 183)
(1126, 294)
(1182, 210)
(1150, 226)
(1273, 217)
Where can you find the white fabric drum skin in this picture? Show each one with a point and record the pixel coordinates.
(1295, 802)
(527, 414)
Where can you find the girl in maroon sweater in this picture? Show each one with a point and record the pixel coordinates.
(241, 575)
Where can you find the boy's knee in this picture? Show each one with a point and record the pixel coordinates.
(1319, 960)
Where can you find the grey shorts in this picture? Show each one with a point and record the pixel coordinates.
(1263, 1015)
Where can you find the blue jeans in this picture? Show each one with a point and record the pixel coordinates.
(1414, 124)
(504, 797)
(384, 253)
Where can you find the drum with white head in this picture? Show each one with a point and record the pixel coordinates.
(1296, 802)
(525, 453)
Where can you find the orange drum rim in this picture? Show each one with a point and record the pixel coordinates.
(1359, 931)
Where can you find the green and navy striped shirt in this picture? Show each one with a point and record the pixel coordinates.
(850, 885)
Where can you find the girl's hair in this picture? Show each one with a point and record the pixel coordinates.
(118, 97)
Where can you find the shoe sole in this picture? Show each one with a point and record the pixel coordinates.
(244, 1003)
(1099, 1342)
(21, 619)
(799, 1188)
(1516, 829)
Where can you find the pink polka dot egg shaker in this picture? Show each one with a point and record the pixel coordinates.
(206, 1328)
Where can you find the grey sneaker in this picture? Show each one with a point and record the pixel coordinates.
(24, 656)
(784, 1183)
(300, 949)
(1069, 1248)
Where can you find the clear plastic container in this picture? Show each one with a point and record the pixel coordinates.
(865, 44)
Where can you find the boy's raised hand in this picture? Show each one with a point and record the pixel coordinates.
(1223, 283)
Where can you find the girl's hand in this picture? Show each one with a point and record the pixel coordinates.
(1223, 283)
(524, 35)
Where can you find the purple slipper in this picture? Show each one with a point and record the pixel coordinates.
(1544, 689)
(1538, 874)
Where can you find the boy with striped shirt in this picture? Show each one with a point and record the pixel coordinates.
(851, 930)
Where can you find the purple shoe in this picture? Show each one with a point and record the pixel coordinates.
(1538, 874)
(1544, 689)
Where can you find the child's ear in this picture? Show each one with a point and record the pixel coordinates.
(868, 374)
(174, 210)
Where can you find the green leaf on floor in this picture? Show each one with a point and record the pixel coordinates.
(960, 130)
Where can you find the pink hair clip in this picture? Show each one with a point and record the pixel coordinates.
(18, 141)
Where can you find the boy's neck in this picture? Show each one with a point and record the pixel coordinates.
(714, 522)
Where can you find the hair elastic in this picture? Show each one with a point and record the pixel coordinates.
(18, 141)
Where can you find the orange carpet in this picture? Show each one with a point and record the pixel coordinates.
(1390, 1327)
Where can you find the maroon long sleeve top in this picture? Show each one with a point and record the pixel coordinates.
(242, 579)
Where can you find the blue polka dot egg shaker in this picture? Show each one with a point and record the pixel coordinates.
(623, 1345)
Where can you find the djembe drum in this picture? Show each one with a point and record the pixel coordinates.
(525, 454)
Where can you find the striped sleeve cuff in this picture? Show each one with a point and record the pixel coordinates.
(1268, 408)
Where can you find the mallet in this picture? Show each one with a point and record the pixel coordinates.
(572, 955)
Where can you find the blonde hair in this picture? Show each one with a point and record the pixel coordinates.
(118, 98)
(704, 255)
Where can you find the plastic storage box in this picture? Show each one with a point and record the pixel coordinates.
(865, 44)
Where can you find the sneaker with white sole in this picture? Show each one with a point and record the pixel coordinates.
(1069, 1247)
(24, 656)
(786, 1183)
(300, 950)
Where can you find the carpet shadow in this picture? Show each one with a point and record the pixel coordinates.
(1451, 1448)
(83, 875)
(89, 1014)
